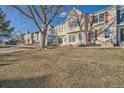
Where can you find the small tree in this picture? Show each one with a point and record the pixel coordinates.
(42, 16)
(5, 28)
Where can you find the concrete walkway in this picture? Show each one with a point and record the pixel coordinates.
(13, 49)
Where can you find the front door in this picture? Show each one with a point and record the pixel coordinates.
(122, 35)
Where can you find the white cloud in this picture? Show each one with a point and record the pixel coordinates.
(63, 14)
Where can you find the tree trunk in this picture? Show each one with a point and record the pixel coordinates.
(44, 42)
(40, 45)
(86, 38)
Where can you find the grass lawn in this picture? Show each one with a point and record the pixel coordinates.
(63, 67)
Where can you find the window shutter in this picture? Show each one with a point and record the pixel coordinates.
(89, 37)
(118, 16)
(95, 34)
(106, 17)
(91, 20)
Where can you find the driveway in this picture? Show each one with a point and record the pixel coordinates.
(13, 49)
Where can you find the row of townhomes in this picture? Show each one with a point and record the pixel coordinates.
(35, 37)
(103, 28)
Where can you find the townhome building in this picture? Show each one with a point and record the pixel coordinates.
(59, 30)
(35, 37)
(70, 33)
(106, 27)
(28, 38)
(103, 28)
(120, 25)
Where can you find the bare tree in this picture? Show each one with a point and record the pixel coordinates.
(42, 16)
(81, 20)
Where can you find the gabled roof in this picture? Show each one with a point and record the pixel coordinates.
(102, 10)
(72, 11)
(80, 12)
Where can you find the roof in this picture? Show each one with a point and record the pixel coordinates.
(60, 24)
(68, 16)
(102, 10)
(77, 10)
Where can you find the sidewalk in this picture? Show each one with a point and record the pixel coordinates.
(14, 48)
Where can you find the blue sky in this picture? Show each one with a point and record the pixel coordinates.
(22, 24)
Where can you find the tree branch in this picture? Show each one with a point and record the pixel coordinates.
(21, 11)
(42, 7)
(35, 21)
(79, 20)
(53, 15)
(37, 13)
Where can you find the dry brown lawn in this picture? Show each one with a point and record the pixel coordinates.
(63, 67)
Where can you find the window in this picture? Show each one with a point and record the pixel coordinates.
(59, 29)
(59, 40)
(64, 38)
(101, 17)
(122, 34)
(107, 33)
(95, 19)
(92, 35)
(73, 24)
(122, 15)
(80, 36)
(63, 28)
(71, 38)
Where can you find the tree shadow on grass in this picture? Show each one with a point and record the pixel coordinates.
(6, 64)
(38, 82)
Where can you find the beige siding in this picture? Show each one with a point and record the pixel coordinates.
(28, 39)
(101, 26)
(71, 30)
